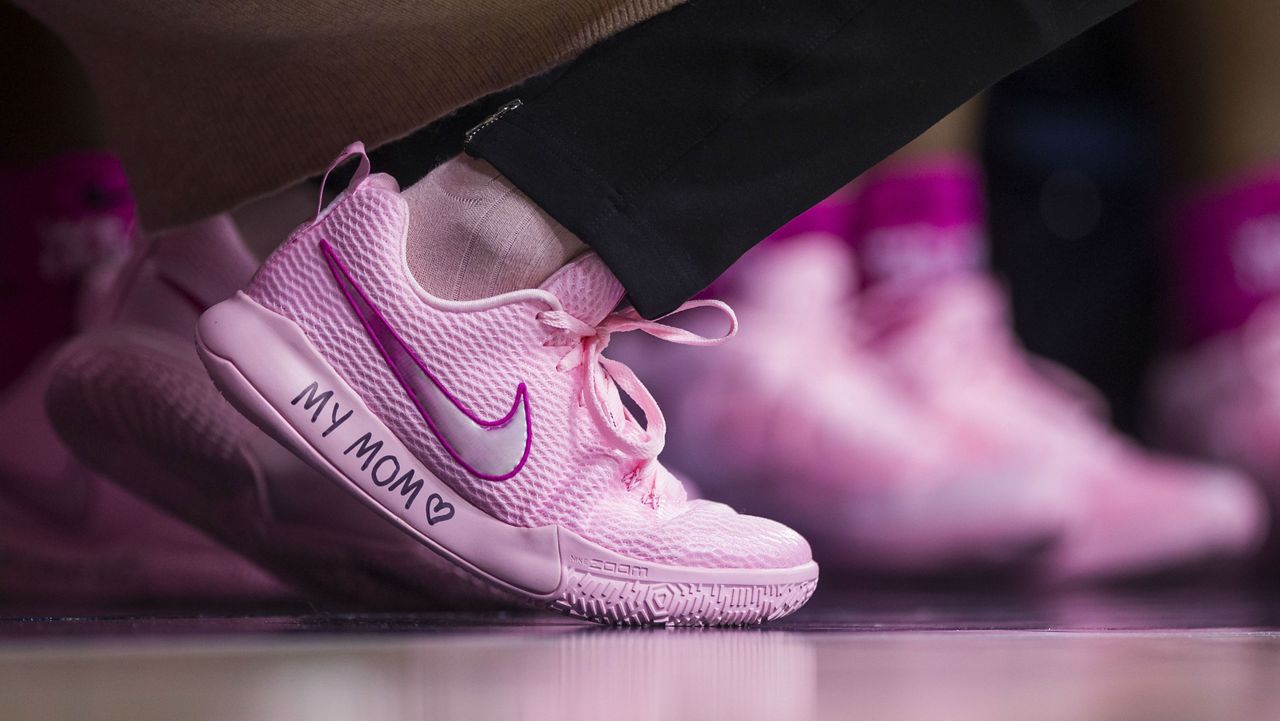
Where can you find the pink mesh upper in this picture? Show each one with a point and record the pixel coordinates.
(481, 351)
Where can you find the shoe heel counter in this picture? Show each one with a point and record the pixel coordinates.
(281, 269)
(363, 225)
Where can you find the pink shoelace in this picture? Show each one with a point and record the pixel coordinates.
(602, 378)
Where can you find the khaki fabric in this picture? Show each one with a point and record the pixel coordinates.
(211, 104)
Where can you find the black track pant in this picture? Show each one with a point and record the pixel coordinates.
(675, 146)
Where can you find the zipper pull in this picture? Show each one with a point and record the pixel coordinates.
(492, 119)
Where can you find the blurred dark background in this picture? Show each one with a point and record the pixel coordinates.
(1075, 163)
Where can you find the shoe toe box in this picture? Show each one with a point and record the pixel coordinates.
(713, 535)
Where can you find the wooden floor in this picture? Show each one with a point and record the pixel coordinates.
(1211, 653)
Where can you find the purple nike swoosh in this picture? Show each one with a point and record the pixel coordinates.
(492, 450)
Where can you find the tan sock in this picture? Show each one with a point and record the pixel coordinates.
(472, 234)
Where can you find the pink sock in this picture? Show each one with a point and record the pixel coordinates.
(472, 234)
(1227, 253)
(919, 220)
(63, 217)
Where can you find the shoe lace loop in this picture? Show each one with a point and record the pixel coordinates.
(584, 348)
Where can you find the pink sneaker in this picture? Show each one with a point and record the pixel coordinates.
(490, 431)
(797, 417)
(1126, 511)
(133, 401)
(68, 535)
(1221, 399)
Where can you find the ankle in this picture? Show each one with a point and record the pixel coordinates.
(472, 234)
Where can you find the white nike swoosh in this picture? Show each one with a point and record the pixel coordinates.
(494, 450)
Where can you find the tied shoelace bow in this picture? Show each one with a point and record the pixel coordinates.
(585, 345)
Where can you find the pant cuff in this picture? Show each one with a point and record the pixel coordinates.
(657, 275)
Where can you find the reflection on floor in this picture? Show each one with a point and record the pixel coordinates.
(1150, 654)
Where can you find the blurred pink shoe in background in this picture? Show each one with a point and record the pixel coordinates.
(1218, 395)
(1125, 510)
(66, 534)
(1220, 399)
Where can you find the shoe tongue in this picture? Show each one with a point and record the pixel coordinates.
(586, 288)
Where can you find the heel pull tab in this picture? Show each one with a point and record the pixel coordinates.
(362, 172)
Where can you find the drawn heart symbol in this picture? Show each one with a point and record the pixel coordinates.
(438, 509)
